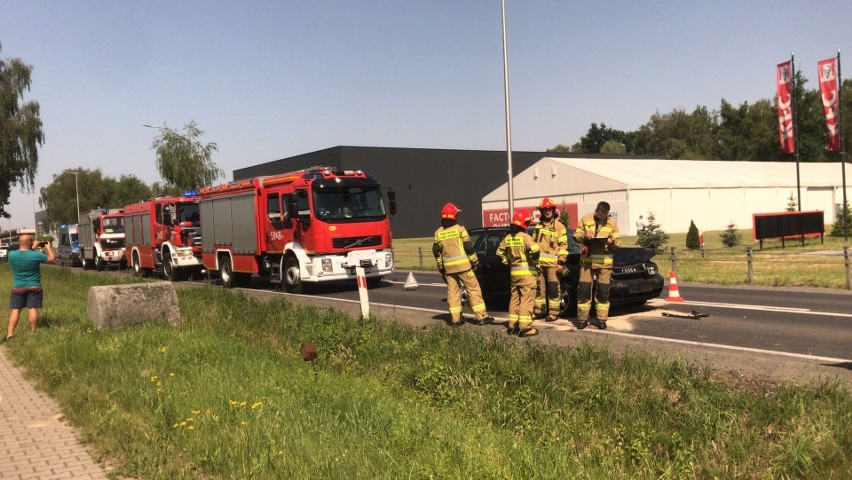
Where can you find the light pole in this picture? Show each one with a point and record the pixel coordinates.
(76, 190)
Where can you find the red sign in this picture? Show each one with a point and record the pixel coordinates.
(785, 107)
(499, 217)
(828, 89)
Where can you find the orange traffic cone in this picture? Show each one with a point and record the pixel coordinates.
(674, 294)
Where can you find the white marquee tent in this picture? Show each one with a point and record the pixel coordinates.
(711, 193)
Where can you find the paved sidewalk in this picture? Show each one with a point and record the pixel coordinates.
(35, 443)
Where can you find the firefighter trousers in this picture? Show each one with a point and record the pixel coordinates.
(547, 293)
(455, 281)
(601, 292)
(521, 303)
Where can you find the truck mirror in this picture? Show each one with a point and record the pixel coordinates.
(392, 201)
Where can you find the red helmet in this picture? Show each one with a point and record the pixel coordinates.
(521, 218)
(450, 211)
(546, 203)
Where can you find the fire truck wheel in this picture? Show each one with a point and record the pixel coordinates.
(226, 272)
(137, 268)
(291, 276)
(99, 264)
(172, 273)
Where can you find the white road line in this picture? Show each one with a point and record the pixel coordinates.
(418, 283)
(609, 332)
(658, 302)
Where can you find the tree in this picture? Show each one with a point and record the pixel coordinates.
(183, 161)
(564, 217)
(652, 238)
(837, 228)
(731, 237)
(20, 130)
(692, 240)
(792, 204)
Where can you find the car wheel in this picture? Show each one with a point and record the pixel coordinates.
(568, 303)
(292, 278)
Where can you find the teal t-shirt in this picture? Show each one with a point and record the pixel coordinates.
(26, 267)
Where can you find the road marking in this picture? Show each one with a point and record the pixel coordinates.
(658, 302)
(558, 327)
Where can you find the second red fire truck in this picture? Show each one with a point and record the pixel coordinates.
(309, 226)
(164, 233)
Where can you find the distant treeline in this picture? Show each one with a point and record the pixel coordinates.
(746, 132)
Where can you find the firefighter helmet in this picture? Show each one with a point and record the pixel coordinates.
(546, 203)
(521, 218)
(450, 211)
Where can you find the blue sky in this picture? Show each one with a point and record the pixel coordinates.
(267, 80)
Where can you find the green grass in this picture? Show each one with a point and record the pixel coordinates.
(773, 266)
(226, 395)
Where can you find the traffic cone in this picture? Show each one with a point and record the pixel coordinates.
(410, 283)
(674, 294)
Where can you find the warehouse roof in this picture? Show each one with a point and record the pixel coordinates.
(648, 174)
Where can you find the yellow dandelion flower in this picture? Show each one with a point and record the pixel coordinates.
(154, 378)
(233, 402)
(196, 412)
(190, 419)
(243, 403)
(171, 374)
(182, 424)
(208, 412)
(164, 349)
(243, 423)
(280, 452)
(190, 427)
(256, 405)
(159, 390)
(175, 425)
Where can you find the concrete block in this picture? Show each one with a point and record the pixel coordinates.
(111, 306)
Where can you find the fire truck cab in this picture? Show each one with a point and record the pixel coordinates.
(102, 238)
(310, 226)
(164, 233)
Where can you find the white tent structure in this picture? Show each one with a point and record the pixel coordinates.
(711, 193)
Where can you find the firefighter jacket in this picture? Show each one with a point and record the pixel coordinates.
(520, 252)
(453, 250)
(596, 253)
(552, 238)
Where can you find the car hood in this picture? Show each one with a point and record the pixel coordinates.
(631, 256)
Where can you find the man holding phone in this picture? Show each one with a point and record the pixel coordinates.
(26, 273)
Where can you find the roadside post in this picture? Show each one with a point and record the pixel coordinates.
(674, 261)
(362, 292)
(750, 265)
(846, 262)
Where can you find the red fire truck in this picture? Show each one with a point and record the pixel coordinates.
(164, 233)
(309, 226)
(102, 238)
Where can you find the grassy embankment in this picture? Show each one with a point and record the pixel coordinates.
(774, 266)
(226, 395)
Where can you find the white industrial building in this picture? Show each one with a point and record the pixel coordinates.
(711, 193)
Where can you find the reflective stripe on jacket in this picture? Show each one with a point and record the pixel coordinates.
(552, 239)
(599, 253)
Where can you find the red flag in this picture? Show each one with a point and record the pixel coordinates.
(828, 88)
(785, 107)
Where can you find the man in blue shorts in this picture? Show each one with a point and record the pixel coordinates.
(26, 272)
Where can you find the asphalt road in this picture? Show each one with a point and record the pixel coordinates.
(799, 322)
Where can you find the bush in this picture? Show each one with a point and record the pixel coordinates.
(652, 238)
(837, 229)
(731, 237)
(692, 240)
(792, 204)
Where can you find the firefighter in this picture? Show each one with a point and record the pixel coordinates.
(552, 238)
(521, 253)
(598, 233)
(456, 261)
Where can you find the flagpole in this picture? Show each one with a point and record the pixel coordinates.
(796, 131)
(508, 115)
(842, 149)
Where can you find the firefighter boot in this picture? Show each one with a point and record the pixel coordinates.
(485, 320)
(512, 329)
(528, 332)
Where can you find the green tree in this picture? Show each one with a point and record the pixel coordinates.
(183, 161)
(693, 242)
(837, 228)
(792, 204)
(653, 237)
(20, 130)
(126, 190)
(731, 237)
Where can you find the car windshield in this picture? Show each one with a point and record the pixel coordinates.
(188, 212)
(113, 224)
(342, 204)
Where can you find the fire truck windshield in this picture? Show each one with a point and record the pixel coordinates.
(113, 224)
(348, 203)
(188, 212)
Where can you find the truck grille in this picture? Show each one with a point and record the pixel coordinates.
(356, 242)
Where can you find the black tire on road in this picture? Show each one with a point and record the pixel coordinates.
(137, 266)
(291, 277)
(99, 263)
(169, 270)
